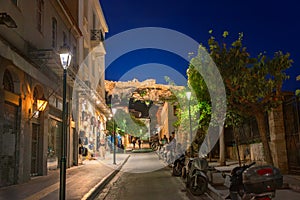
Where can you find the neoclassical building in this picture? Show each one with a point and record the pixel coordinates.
(31, 34)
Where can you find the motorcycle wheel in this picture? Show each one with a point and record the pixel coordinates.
(177, 169)
(201, 186)
(154, 146)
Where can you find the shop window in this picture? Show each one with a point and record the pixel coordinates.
(8, 83)
(54, 143)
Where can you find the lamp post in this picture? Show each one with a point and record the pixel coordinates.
(114, 110)
(188, 95)
(65, 57)
(125, 137)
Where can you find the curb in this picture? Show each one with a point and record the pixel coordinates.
(100, 186)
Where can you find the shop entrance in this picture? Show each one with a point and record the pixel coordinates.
(9, 143)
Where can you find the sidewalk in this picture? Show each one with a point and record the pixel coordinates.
(81, 183)
(290, 190)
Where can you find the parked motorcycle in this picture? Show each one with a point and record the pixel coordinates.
(178, 165)
(250, 183)
(154, 142)
(196, 178)
(161, 151)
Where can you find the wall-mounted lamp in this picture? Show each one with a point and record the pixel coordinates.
(42, 104)
(7, 20)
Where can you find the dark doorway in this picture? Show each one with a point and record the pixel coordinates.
(35, 149)
(9, 154)
(291, 122)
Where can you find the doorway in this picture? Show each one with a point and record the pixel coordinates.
(35, 155)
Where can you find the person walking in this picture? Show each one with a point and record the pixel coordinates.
(140, 142)
(102, 148)
(133, 142)
(164, 140)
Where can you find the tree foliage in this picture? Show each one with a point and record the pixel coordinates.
(297, 92)
(123, 122)
(253, 84)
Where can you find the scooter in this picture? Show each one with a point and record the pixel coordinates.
(250, 183)
(196, 178)
(162, 153)
(178, 165)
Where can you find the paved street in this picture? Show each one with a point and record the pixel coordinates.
(146, 177)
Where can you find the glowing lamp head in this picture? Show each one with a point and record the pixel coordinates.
(188, 95)
(41, 104)
(65, 57)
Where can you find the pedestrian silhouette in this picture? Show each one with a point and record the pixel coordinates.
(133, 142)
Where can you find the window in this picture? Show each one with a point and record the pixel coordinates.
(74, 55)
(94, 21)
(64, 38)
(54, 33)
(40, 14)
(15, 2)
(8, 83)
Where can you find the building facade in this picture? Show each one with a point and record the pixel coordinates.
(31, 34)
(90, 110)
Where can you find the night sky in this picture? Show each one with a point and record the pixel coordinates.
(268, 26)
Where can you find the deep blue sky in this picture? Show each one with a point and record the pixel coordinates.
(267, 26)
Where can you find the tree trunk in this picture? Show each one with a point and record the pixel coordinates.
(263, 135)
(222, 160)
(236, 138)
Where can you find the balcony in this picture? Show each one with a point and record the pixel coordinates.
(47, 61)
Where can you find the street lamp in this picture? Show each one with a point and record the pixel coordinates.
(65, 58)
(114, 110)
(188, 95)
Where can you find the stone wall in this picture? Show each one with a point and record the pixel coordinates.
(249, 152)
(277, 144)
(277, 137)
